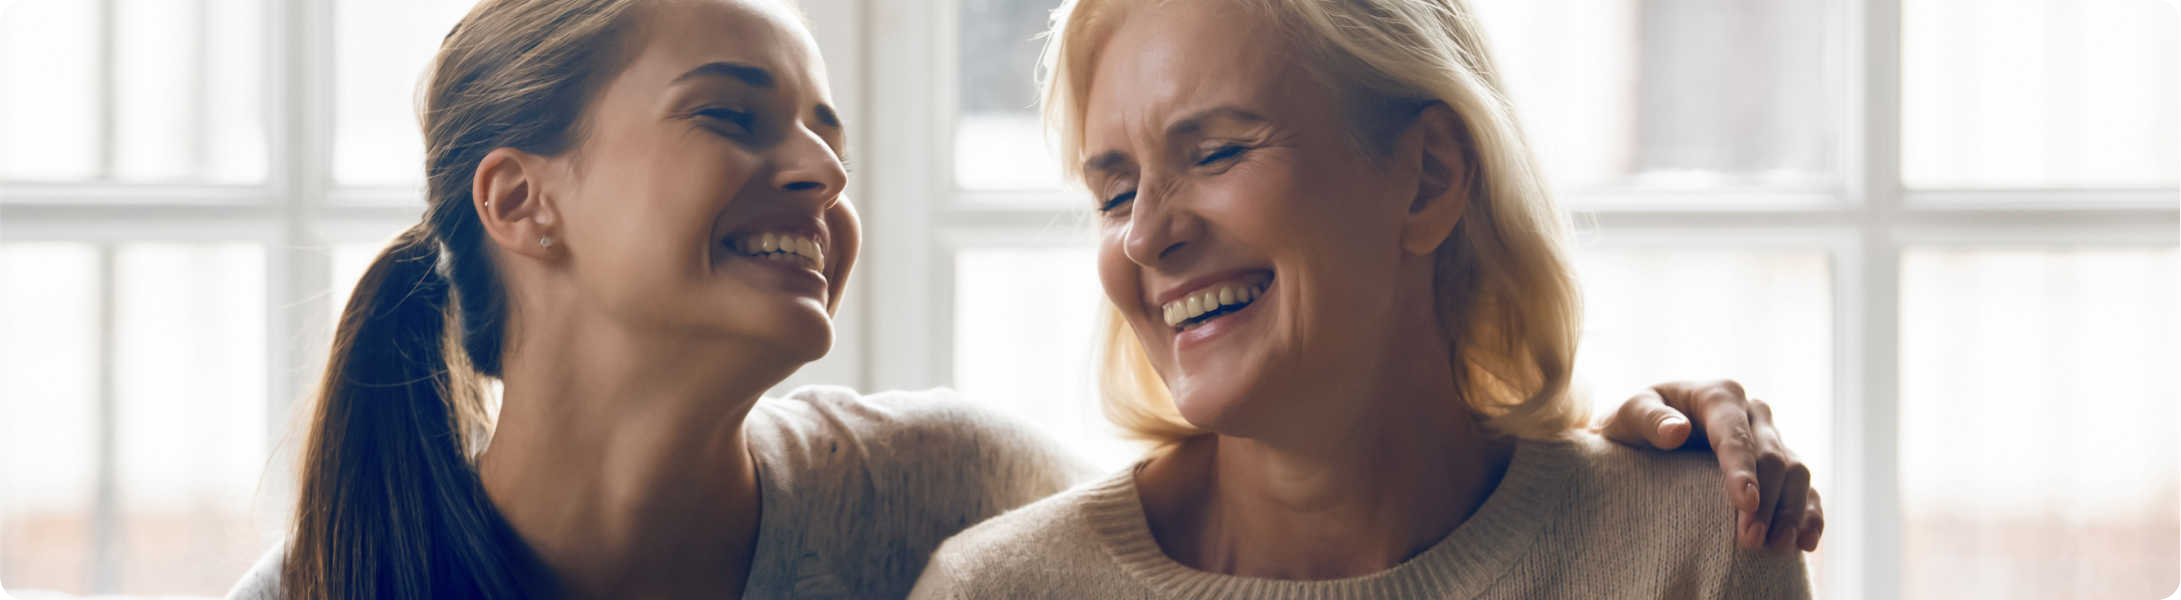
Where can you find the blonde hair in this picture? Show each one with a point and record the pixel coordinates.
(1507, 299)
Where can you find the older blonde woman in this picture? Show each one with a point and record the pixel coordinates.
(1341, 301)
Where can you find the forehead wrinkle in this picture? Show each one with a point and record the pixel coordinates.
(1156, 67)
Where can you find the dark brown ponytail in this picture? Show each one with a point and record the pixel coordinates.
(390, 504)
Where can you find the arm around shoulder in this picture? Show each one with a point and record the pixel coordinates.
(1020, 462)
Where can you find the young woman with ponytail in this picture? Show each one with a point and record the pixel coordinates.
(635, 225)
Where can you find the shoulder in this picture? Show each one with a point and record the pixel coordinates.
(937, 416)
(1036, 549)
(1671, 510)
(924, 431)
(262, 581)
(1014, 537)
(819, 419)
(1687, 479)
(1672, 497)
(868, 485)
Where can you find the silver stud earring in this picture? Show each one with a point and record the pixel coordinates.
(545, 241)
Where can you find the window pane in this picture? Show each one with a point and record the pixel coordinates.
(1024, 325)
(382, 53)
(186, 96)
(190, 413)
(2038, 423)
(49, 302)
(1674, 93)
(998, 141)
(2038, 93)
(48, 90)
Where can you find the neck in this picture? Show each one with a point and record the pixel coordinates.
(1353, 495)
(621, 461)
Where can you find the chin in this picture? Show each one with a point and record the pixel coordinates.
(1222, 407)
(797, 333)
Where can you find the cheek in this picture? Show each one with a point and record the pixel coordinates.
(846, 229)
(1117, 275)
(1122, 281)
(651, 232)
(1328, 237)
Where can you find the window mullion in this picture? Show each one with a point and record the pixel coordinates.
(297, 37)
(108, 80)
(105, 505)
(1869, 351)
(106, 501)
(200, 94)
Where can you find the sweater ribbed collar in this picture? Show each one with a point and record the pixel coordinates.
(1461, 565)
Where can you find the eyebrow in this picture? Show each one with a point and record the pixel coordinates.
(753, 76)
(1195, 121)
(1111, 160)
(1105, 162)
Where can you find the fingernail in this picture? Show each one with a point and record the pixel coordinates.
(1749, 491)
(1672, 420)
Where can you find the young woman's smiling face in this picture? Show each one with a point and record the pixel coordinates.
(705, 199)
(1246, 237)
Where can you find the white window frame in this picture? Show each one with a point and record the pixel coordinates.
(922, 222)
(892, 66)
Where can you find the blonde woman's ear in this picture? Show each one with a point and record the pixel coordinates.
(1442, 183)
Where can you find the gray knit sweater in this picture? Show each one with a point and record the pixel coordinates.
(1582, 518)
(858, 490)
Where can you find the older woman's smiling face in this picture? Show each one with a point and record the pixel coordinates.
(1251, 245)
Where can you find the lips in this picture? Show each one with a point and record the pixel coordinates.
(787, 246)
(1205, 298)
(1211, 303)
(791, 237)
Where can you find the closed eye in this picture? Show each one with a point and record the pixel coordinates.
(742, 122)
(1223, 153)
(1116, 201)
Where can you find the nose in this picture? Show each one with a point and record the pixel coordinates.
(1158, 227)
(808, 167)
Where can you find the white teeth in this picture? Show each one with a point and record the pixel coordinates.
(783, 246)
(1232, 294)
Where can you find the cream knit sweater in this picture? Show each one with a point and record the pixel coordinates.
(1582, 518)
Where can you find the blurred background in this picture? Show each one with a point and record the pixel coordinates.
(1939, 236)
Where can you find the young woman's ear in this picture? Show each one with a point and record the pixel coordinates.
(1442, 183)
(516, 215)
